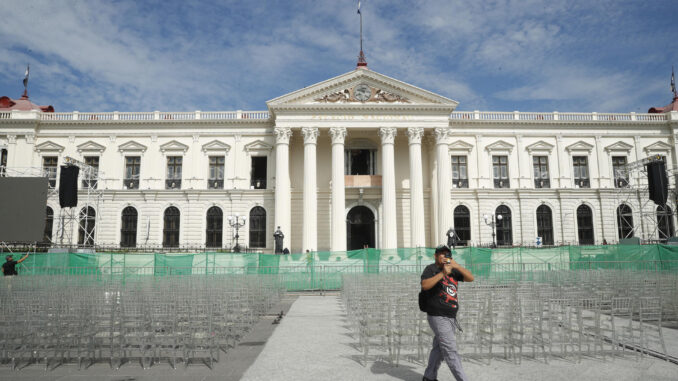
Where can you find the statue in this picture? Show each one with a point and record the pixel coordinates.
(452, 238)
(278, 237)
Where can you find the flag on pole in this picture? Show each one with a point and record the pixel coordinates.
(359, 7)
(673, 82)
(26, 76)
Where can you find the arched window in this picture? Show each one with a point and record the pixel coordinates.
(624, 221)
(504, 226)
(258, 227)
(585, 225)
(215, 227)
(665, 222)
(128, 227)
(545, 225)
(49, 221)
(86, 228)
(170, 232)
(462, 224)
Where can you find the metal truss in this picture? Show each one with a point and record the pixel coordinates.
(631, 185)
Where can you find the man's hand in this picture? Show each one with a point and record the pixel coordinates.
(447, 268)
(453, 263)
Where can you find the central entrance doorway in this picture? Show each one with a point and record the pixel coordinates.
(359, 228)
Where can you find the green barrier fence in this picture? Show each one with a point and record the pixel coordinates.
(324, 270)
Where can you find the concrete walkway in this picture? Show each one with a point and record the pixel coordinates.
(314, 343)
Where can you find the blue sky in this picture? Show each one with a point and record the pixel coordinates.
(503, 55)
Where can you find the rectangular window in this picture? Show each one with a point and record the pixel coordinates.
(89, 179)
(459, 172)
(173, 180)
(581, 172)
(49, 165)
(500, 171)
(216, 180)
(3, 162)
(541, 171)
(621, 175)
(258, 172)
(360, 162)
(132, 167)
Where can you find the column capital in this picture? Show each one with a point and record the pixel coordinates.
(282, 135)
(310, 135)
(11, 138)
(387, 135)
(559, 138)
(338, 135)
(441, 134)
(30, 138)
(415, 134)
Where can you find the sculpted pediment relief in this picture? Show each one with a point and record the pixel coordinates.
(49, 146)
(619, 146)
(500, 145)
(658, 146)
(362, 93)
(132, 146)
(216, 146)
(540, 146)
(91, 147)
(173, 146)
(579, 146)
(258, 146)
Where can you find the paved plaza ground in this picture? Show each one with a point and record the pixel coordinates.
(313, 342)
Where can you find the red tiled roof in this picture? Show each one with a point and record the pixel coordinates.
(673, 106)
(23, 104)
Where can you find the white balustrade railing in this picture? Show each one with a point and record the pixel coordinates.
(555, 116)
(157, 115)
(5, 115)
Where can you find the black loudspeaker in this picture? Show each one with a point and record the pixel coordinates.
(68, 186)
(658, 182)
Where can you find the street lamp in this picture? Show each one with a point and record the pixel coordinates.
(491, 221)
(236, 222)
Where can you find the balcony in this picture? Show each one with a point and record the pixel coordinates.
(215, 184)
(582, 183)
(258, 184)
(459, 183)
(362, 181)
(621, 182)
(502, 183)
(131, 183)
(173, 184)
(542, 183)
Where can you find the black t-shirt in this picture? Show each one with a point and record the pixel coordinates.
(9, 267)
(442, 298)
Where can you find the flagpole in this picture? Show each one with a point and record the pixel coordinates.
(362, 63)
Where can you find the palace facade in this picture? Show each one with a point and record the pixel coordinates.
(359, 159)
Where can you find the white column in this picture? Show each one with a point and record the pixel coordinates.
(444, 182)
(601, 162)
(389, 226)
(417, 223)
(310, 233)
(481, 166)
(282, 183)
(338, 241)
(563, 163)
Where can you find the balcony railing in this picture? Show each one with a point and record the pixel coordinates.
(258, 184)
(542, 183)
(131, 183)
(502, 183)
(582, 183)
(555, 116)
(215, 184)
(142, 116)
(173, 184)
(459, 183)
(362, 181)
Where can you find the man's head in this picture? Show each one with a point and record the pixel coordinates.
(8, 258)
(442, 253)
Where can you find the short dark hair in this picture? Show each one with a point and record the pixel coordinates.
(443, 249)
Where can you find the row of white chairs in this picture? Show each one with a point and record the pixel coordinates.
(61, 319)
(562, 314)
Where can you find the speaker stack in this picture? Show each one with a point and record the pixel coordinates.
(658, 182)
(68, 186)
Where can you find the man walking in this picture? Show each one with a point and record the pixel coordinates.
(9, 267)
(439, 280)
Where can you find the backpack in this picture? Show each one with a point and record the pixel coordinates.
(423, 299)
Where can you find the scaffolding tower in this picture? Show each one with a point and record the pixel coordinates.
(632, 188)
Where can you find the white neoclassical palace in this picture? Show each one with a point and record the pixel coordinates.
(359, 159)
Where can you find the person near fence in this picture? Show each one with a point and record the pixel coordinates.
(9, 267)
(439, 281)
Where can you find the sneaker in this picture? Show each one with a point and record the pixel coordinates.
(428, 379)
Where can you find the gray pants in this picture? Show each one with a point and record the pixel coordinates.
(444, 348)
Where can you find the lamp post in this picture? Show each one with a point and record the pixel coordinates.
(236, 222)
(491, 221)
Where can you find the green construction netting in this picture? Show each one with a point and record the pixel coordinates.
(323, 270)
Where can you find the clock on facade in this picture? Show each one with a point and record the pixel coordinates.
(362, 92)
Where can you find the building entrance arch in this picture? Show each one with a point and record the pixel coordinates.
(359, 228)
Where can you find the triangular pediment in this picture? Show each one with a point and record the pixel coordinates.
(132, 146)
(91, 146)
(460, 145)
(619, 146)
(361, 87)
(49, 146)
(580, 146)
(258, 146)
(539, 146)
(658, 146)
(173, 145)
(500, 145)
(216, 145)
